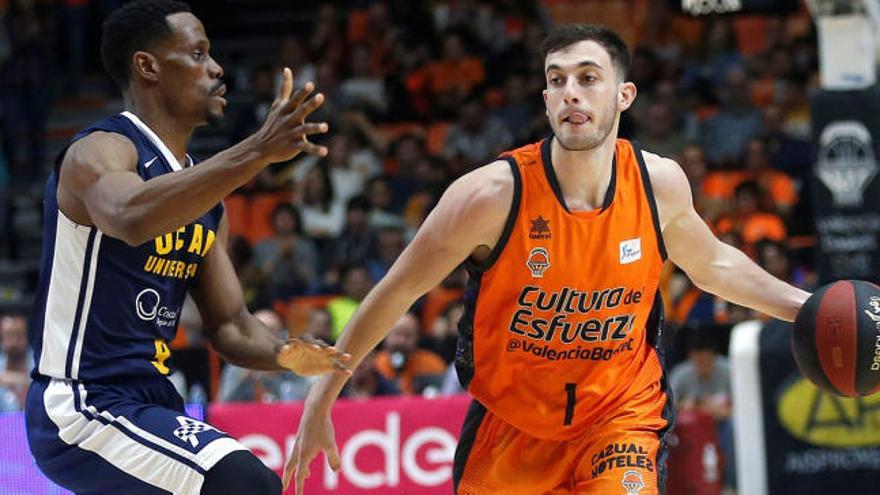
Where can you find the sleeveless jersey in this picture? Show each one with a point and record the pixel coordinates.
(104, 309)
(561, 321)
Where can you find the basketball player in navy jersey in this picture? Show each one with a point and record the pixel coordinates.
(131, 227)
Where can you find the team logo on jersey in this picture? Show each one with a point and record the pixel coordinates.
(189, 429)
(147, 307)
(630, 250)
(147, 304)
(633, 482)
(540, 228)
(538, 262)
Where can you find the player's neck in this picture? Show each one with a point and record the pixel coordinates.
(584, 175)
(174, 133)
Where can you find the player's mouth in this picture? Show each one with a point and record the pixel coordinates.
(219, 93)
(576, 118)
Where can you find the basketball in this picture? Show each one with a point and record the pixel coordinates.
(836, 338)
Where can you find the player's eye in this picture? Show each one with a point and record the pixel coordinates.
(199, 55)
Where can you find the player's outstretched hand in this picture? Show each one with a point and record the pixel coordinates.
(308, 356)
(285, 133)
(315, 435)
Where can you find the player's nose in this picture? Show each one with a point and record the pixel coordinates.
(214, 69)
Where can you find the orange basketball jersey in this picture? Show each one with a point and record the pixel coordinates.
(561, 321)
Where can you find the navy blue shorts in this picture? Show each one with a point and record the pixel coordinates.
(130, 437)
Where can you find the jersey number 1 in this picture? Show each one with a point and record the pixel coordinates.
(570, 390)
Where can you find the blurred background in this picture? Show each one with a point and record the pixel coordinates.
(417, 94)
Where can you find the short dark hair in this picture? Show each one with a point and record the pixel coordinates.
(562, 36)
(135, 26)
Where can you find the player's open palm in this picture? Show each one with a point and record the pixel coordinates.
(285, 133)
(307, 356)
(315, 435)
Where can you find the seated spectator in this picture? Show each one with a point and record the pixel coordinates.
(726, 134)
(366, 381)
(748, 220)
(451, 384)
(354, 245)
(16, 362)
(320, 325)
(402, 360)
(703, 383)
(657, 132)
(518, 110)
(390, 242)
(364, 88)
(287, 261)
(476, 137)
(244, 385)
(455, 75)
(379, 196)
(322, 214)
(356, 283)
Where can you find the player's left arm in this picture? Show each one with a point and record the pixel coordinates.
(239, 336)
(712, 265)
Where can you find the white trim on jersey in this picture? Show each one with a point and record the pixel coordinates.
(65, 281)
(157, 141)
(87, 305)
(122, 451)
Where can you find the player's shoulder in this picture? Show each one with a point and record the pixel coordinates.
(490, 184)
(98, 152)
(666, 175)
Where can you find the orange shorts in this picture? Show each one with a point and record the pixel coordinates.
(618, 457)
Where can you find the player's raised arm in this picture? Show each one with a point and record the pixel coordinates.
(469, 217)
(712, 265)
(99, 184)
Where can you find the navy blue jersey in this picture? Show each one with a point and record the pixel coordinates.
(105, 309)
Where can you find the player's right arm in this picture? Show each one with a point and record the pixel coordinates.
(99, 184)
(467, 221)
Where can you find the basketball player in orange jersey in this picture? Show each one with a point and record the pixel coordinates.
(560, 342)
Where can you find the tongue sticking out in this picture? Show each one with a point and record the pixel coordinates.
(577, 118)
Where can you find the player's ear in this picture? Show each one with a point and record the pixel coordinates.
(626, 95)
(145, 66)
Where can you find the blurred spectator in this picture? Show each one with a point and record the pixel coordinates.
(400, 359)
(16, 362)
(748, 220)
(703, 383)
(366, 381)
(253, 111)
(379, 197)
(353, 246)
(451, 384)
(244, 385)
(322, 214)
(476, 137)
(356, 283)
(787, 153)
(292, 54)
(242, 257)
(320, 325)
(288, 261)
(725, 134)
(348, 166)
(657, 133)
(364, 88)
(389, 244)
(24, 95)
(518, 108)
(453, 77)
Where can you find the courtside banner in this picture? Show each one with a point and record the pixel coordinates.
(817, 443)
(387, 445)
(845, 184)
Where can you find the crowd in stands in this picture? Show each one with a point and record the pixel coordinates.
(419, 93)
